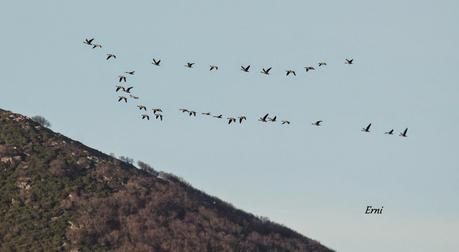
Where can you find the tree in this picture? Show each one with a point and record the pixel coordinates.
(41, 120)
(146, 167)
(126, 159)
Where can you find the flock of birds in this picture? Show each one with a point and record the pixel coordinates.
(157, 112)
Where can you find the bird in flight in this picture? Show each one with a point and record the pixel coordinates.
(156, 62)
(134, 97)
(128, 90)
(206, 113)
(349, 61)
(309, 68)
(184, 110)
(109, 56)
(367, 129)
(118, 88)
(88, 41)
(189, 64)
(272, 119)
(231, 119)
(219, 116)
(130, 72)
(94, 46)
(390, 132)
(403, 134)
(263, 119)
(192, 113)
(122, 78)
(322, 64)
(290, 72)
(242, 118)
(142, 107)
(159, 116)
(156, 110)
(145, 116)
(245, 69)
(285, 122)
(317, 123)
(213, 67)
(120, 98)
(265, 71)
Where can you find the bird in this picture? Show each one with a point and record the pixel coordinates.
(88, 41)
(231, 119)
(272, 119)
(213, 67)
(265, 71)
(122, 78)
(120, 98)
(192, 113)
(159, 116)
(109, 56)
(130, 72)
(403, 134)
(367, 129)
(390, 132)
(94, 46)
(128, 90)
(349, 61)
(285, 122)
(322, 64)
(309, 68)
(242, 118)
(134, 97)
(142, 107)
(156, 110)
(219, 116)
(156, 62)
(263, 119)
(189, 65)
(317, 123)
(184, 110)
(145, 116)
(290, 72)
(118, 88)
(206, 113)
(245, 69)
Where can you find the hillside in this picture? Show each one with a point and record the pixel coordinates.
(57, 194)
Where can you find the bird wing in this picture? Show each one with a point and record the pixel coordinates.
(264, 117)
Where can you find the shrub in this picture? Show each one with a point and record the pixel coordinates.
(42, 121)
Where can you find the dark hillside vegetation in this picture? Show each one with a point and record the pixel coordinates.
(57, 194)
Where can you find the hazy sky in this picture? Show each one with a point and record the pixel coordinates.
(317, 181)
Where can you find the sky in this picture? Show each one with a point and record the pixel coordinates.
(315, 180)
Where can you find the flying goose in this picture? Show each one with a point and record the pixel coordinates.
(367, 129)
(128, 90)
(403, 134)
(184, 110)
(390, 132)
(322, 64)
(145, 116)
(142, 107)
(285, 122)
(189, 65)
(317, 123)
(96, 46)
(213, 67)
(241, 118)
(120, 98)
(272, 119)
(206, 113)
(122, 78)
(156, 62)
(156, 110)
(159, 116)
(219, 116)
(109, 56)
(349, 61)
(290, 72)
(231, 119)
(130, 72)
(118, 88)
(265, 71)
(88, 41)
(192, 113)
(309, 68)
(263, 119)
(133, 97)
(245, 69)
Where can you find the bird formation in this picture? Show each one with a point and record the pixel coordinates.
(157, 112)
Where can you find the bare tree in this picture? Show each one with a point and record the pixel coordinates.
(41, 120)
(146, 167)
(127, 160)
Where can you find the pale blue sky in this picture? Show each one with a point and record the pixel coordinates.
(317, 181)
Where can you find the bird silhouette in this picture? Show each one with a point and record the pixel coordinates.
(213, 67)
(122, 78)
(184, 110)
(317, 123)
(403, 134)
(156, 62)
(145, 116)
(94, 46)
(128, 90)
(272, 119)
(120, 98)
(245, 69)
(88, 41)
(156, 110)
(118, 88)
(134, 97)
(390, 132)
(206, 113)
(242, 118)
(285, 122)
(142, 107)
(192, 113)
(367, 129)
(159, 116)
(290, 72)
(109, 56)
(309, 68)
(322, 64)
(130, 72)
(218, 116)
(231, 119)
(189, 65)
(263, 119)
(349, 61)
(265, 71)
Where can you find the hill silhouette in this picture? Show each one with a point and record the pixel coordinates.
(60, 195)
